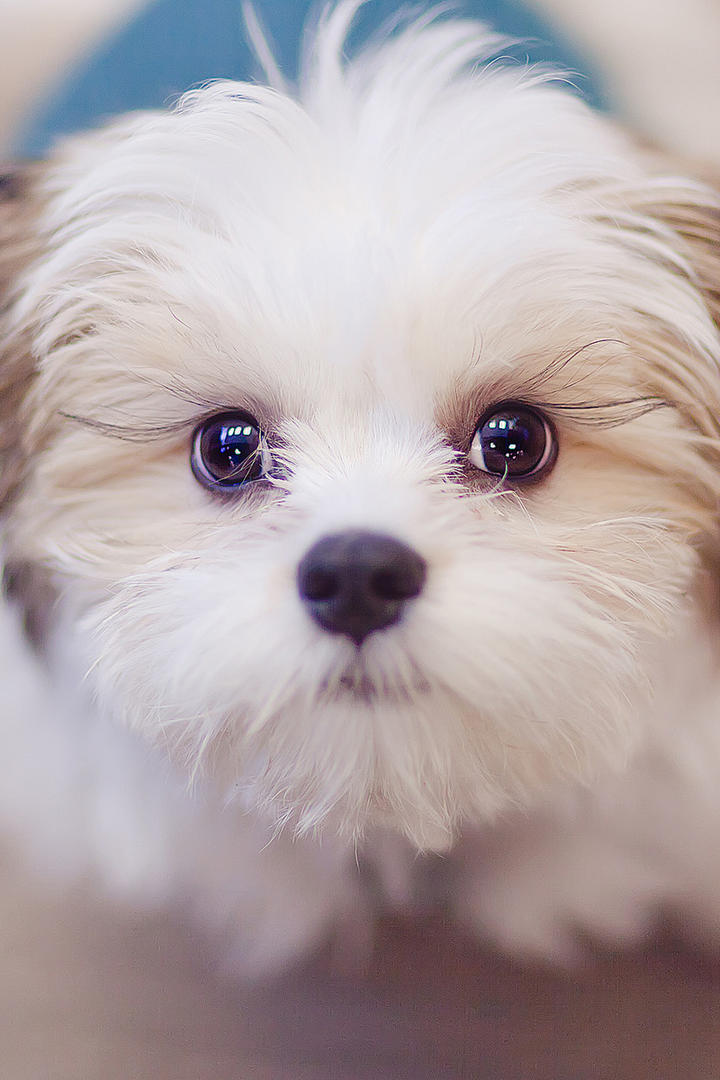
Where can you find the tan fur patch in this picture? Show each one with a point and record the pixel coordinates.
(19, 244)
(26, 584)
(698, 223)
(696, 220)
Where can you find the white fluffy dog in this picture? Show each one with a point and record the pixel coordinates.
(360, 486)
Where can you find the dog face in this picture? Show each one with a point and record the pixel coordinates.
(367, 441)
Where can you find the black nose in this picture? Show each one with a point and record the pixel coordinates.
(357, 582)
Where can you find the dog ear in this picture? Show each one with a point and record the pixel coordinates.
(27, 585)
(673, 219)
(693, 214)
(18, 246)
(688, 213)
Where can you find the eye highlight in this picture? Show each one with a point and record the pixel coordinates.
(513, 440)
(229, 451)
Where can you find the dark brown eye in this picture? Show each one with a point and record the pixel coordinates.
(229, 451)
(513, 440)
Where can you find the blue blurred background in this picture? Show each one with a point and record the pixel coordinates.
(173, 44)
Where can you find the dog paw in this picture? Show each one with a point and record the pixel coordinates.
(545, 893)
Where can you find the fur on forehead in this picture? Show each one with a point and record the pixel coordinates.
(408, 175)
(409, 201)
(401, 150)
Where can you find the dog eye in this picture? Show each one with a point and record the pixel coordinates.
(513, 440)
(228, 451)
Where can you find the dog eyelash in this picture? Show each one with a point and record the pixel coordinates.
(599, 414)
(605, 414)
(145, 431)
(137, 433)
(558, 363)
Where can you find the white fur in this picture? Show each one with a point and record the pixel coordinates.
(409, 241)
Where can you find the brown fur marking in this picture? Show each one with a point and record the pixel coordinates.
(19, 243)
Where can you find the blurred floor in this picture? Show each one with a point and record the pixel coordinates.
(90, 994)
(87, 993)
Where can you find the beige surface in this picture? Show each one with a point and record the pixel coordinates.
(39, 39)
(660, 60)
(87, 993)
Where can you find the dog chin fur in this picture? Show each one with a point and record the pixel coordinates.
(366, 267)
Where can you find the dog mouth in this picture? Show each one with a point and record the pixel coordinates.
(356, 684)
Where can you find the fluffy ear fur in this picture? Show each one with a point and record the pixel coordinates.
(19, 243)
(691, 213)
(697, 221)
(675, 221)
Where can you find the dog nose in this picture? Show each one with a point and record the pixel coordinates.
(357, 582)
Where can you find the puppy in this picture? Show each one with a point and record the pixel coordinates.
(360, 485)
